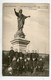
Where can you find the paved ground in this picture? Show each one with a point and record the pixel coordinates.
(37, 73)
(44, 73)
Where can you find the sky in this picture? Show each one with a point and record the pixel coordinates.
(36, 28)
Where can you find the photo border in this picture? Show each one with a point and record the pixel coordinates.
(23, 77)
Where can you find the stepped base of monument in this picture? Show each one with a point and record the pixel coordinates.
(20, 44)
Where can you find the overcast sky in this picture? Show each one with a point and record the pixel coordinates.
(36, 27)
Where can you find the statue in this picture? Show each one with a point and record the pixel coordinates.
(21, 20)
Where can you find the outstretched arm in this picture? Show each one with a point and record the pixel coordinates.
(16, 13)
(27, 16)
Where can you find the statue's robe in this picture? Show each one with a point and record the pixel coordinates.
(21, 20)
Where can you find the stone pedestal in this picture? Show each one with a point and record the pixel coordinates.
(20, 44)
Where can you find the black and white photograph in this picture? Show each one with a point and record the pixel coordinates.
(25, 39)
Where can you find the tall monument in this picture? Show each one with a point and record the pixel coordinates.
(19, 41)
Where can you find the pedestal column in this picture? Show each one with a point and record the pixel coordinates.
(20, 44)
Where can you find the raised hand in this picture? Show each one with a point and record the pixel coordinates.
(29, 16)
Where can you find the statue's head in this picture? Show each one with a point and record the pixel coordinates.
(20, 11)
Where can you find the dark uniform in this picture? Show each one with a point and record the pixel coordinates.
(31, 62)
(11, 54)
(40, 65)
(25, 65)
(33, 58)
(28, 64)
(13, 65)
(21, 62)
(17, 64)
